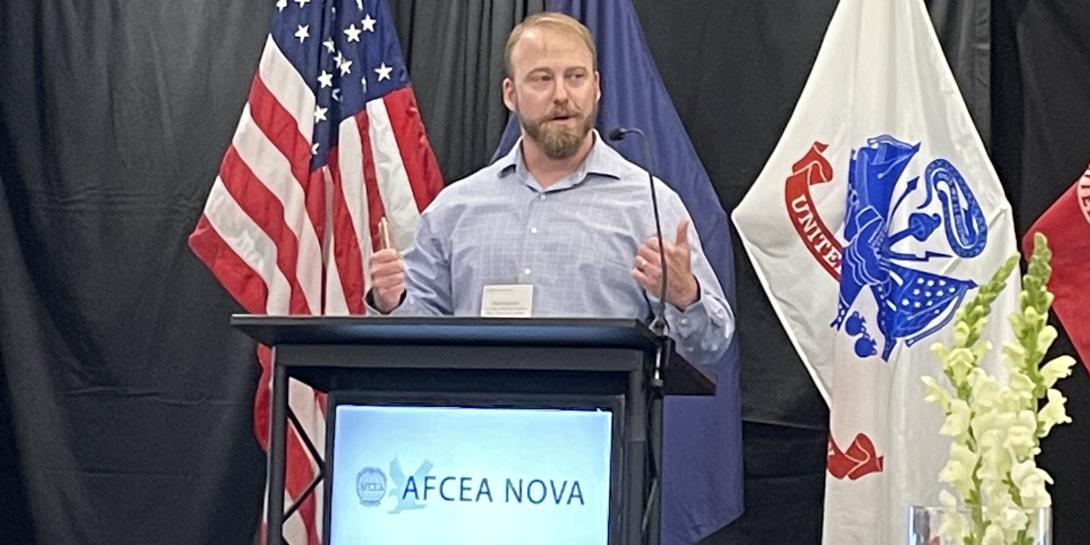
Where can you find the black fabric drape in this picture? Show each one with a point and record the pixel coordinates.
(125, 400)
(129, 397)
(454, 52)
(15, 519)
(1041, 100)
(964, 28)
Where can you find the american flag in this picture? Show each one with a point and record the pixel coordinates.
(330, 141)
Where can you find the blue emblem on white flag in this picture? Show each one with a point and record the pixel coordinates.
(883, 255)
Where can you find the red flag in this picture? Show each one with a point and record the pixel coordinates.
(1067, 225)
(330, 141)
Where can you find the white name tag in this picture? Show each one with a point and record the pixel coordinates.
(507, 301)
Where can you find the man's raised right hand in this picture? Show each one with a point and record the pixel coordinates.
(387, 280)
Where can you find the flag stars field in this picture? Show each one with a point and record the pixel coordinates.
(352, 33)
(383, 72)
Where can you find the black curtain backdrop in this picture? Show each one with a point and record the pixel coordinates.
(1041, 101)
(125, 400)
(454, 51)
(128, 397)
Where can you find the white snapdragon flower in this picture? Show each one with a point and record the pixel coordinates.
(958, 419)
(1014, 355)
(987, 393)
(994, 536)
(1022, 435)
(1056, 369)
(1011, 519)
(1030, 482)
(1046, 335)
(995, 461)
(1052, 413)
(954, 524)
(1001, 510)
(959, 363)
(1021, 386)
(958, 471)
(996, 422)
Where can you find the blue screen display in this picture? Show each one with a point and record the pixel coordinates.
(407, 475)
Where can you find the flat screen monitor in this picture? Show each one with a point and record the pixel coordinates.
(527, 471)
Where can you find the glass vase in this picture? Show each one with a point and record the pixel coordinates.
(924, 522)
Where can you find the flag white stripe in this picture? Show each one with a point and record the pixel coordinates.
(288, 86)
(393, 181)
(250, 243)
(319, 491)
(295, 530)
(274, 170)
(353, 188)
(303, 403)
(335, 302)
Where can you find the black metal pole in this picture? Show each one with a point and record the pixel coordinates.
(635, 457)
(654, 532)
(277, 447)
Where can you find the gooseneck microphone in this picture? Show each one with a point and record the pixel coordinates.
(658, 324)
(650, 521)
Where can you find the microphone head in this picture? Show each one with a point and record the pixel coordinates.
(617, 134)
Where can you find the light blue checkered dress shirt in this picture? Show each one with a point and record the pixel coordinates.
(576, 243)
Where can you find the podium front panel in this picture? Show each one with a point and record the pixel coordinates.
(420, 468)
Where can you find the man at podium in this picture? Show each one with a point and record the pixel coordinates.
(563, 225)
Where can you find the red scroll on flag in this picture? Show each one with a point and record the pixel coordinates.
(813, 169)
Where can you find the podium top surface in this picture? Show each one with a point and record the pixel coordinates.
(446, 331)
(386, 330)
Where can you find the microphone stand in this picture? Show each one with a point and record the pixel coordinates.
(651, 520)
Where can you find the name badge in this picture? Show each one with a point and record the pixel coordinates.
(507, 301)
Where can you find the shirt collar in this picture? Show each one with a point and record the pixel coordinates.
(601, 161)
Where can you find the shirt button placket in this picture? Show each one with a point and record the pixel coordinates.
(529, 241)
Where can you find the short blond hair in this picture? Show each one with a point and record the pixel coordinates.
(554, 20)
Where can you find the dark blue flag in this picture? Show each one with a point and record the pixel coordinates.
(702, 485)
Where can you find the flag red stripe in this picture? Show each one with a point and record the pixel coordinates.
(282, 129)
(244, 285)
(375, 209)
(262, 398)
(309, 513)
(266, 210)
(346, 247)
(298, 471)
(416, 155)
